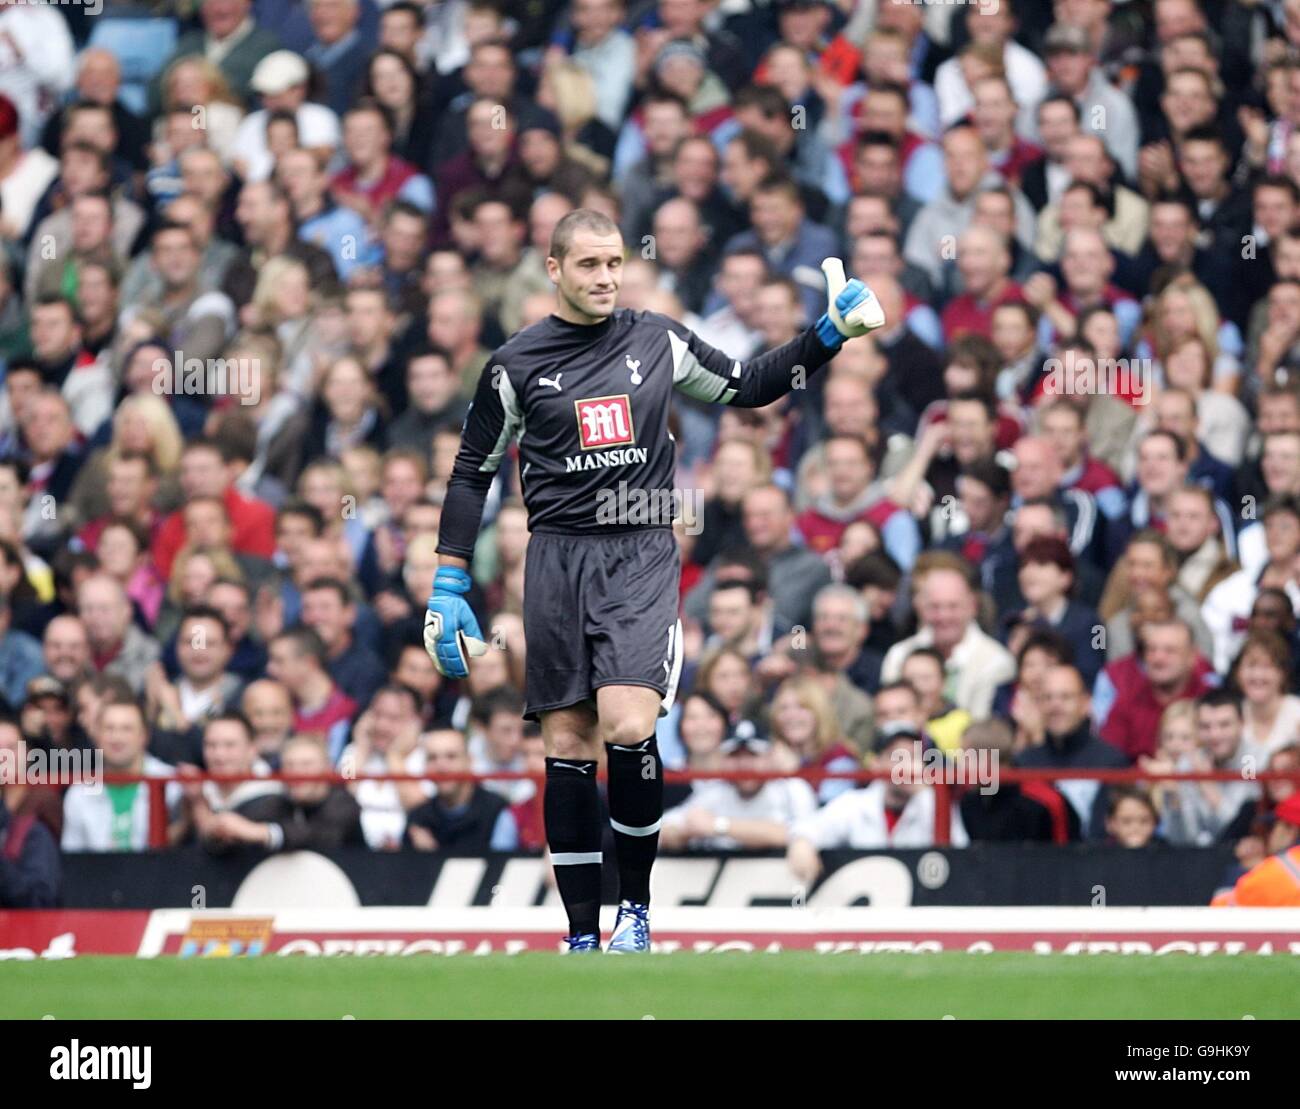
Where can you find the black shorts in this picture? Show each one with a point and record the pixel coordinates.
(600, 610)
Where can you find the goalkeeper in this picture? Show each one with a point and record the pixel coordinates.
(587, 392)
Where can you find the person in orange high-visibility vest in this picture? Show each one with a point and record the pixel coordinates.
(1274, 883)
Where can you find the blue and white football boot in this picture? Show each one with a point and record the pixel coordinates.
(631, 929)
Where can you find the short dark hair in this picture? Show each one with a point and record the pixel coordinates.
(502, 699)
(306, 641)
(231, 716)
(1220, 697)
(580, 219)
(339, 588)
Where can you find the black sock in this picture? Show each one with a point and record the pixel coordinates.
(636, 804)
(571, 811)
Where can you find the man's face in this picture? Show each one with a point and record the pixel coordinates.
(390, 714)
(47, 427)
(847, 469)
(233, 604)
(227, 748)
(695, 170)
(96, 296)
(301, 177)
(1086, 263)
(972, 431)
(1176, 412)
(332, 20)
(490, 72)
(203, 474)
(54, 332)
(206, 524)
(325, 613)
(203, 176)
(66, 648)
(430, 383)
(1218, 729)
(838, 631)
(400, 487)
(1204, 165)
(404, 239)
(304, 759)
(775, 215)
(1168, 655)
(767, 519)
(678, 235)
(1068, 70)
(878, 169)
(1187, 101)
(1171, 229)
(589, 276)
(1272, 612)
(202, 650)
(285, 665)
(1158, 471)
(740, 173)
(965, 161)
(995, 111)
(445, 753)
(175, 257)
(1189, 521)
(1064, 701)
(1280, 463)
(400, 31)
(104, 612)
(1282, 537)
(1057, 126)
(292, 534)
(487, 138)
(365, 138)
(947, 607)
(1278, 412)
(981, 260)
(979, 503)
(121, 735)
(894, 706)
(1064, 431)
(731, 613)
(92, 223)
(269, 709)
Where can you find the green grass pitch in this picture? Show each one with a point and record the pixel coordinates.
(731, 986)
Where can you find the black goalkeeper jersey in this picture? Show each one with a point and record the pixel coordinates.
(589, 406)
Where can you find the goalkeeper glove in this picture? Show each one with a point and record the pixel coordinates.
(451, 631)
(851, 309)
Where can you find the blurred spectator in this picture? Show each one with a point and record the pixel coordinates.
(116, 817)
(736, 814)
(893, 812)
(462, 816)
(975, 663)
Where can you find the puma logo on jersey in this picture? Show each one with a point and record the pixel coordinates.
(553, 382)
(634, 364)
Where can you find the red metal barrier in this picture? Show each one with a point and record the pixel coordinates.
(943, 788)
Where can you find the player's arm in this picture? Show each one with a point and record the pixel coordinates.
(451, 630)
(705, 373)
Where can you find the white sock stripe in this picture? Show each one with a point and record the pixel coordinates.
(628, 830)
(639, 748)
(576, 858)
